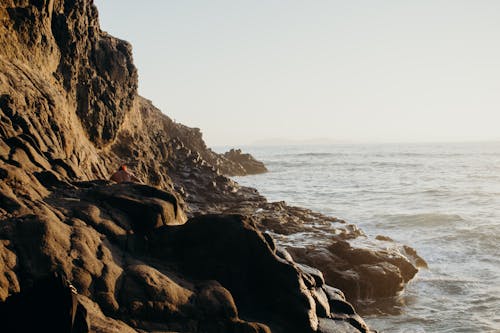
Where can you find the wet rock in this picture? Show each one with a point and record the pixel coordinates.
(360, 273)
(413, 256)
(336, 326)
(384, 238)
(266, 283)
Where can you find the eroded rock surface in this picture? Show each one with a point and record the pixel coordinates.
(249, 164)
(204, 275)
(69, 115)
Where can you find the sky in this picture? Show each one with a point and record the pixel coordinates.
(249, 72)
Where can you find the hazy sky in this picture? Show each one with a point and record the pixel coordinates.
(362, 71)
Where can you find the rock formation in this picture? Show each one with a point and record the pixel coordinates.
(249, 164)
(144, 256)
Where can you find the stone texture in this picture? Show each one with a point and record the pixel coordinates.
(229, 248)
(69, 115)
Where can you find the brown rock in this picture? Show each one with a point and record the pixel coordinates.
(249, 165)
(70, 114)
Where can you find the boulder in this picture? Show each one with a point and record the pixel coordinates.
(360, 273)
(228, 248)
(147, 207)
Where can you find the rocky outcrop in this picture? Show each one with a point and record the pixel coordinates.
(265, 282)
(249, 164)
(69, 115)
(201, 276)
(94, 68)
(62, 40)
(364, 269)
(360, 273)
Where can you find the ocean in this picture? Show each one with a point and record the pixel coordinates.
(441, 199)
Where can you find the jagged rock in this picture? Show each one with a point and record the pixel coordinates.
(230, 249)
(77, 231)
(9, 283)
(249, 165)
(109, 268)
(95, 68)
(69, 115)
(360, 273)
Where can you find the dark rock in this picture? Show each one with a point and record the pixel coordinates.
(9, 203)
(322, 305)
(336, 326)
(69, 116)
(49, 305)
(314, 272)
(334, 293)
(230, 250)
(360, 273)
(247, 162)
(269, 240)
(147, 207)
(384, 238)
(49, 179)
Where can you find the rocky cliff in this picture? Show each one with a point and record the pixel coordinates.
(147, 257)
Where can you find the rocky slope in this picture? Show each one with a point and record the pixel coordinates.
(145, 257)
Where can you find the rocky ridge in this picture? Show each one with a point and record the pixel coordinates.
(147, 257)
(250, 165)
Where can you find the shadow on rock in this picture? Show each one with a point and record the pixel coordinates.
(50, 305)
(267, 285)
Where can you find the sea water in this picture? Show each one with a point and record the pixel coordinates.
(441, 199)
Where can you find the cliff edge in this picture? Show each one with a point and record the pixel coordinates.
(191, 251)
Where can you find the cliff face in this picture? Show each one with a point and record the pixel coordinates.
(69, 115)
(66, 86)
(62, 42)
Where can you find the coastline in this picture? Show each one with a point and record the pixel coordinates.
(170, 255)
(441, 199)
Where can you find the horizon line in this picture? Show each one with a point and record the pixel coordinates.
(331, 142)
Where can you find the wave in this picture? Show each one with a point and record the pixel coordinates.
(441, 200)
(369, 154)
(396, 164)
(421, 219)
(481, 240)
(292, 155)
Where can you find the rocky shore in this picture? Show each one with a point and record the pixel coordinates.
(189, 250)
